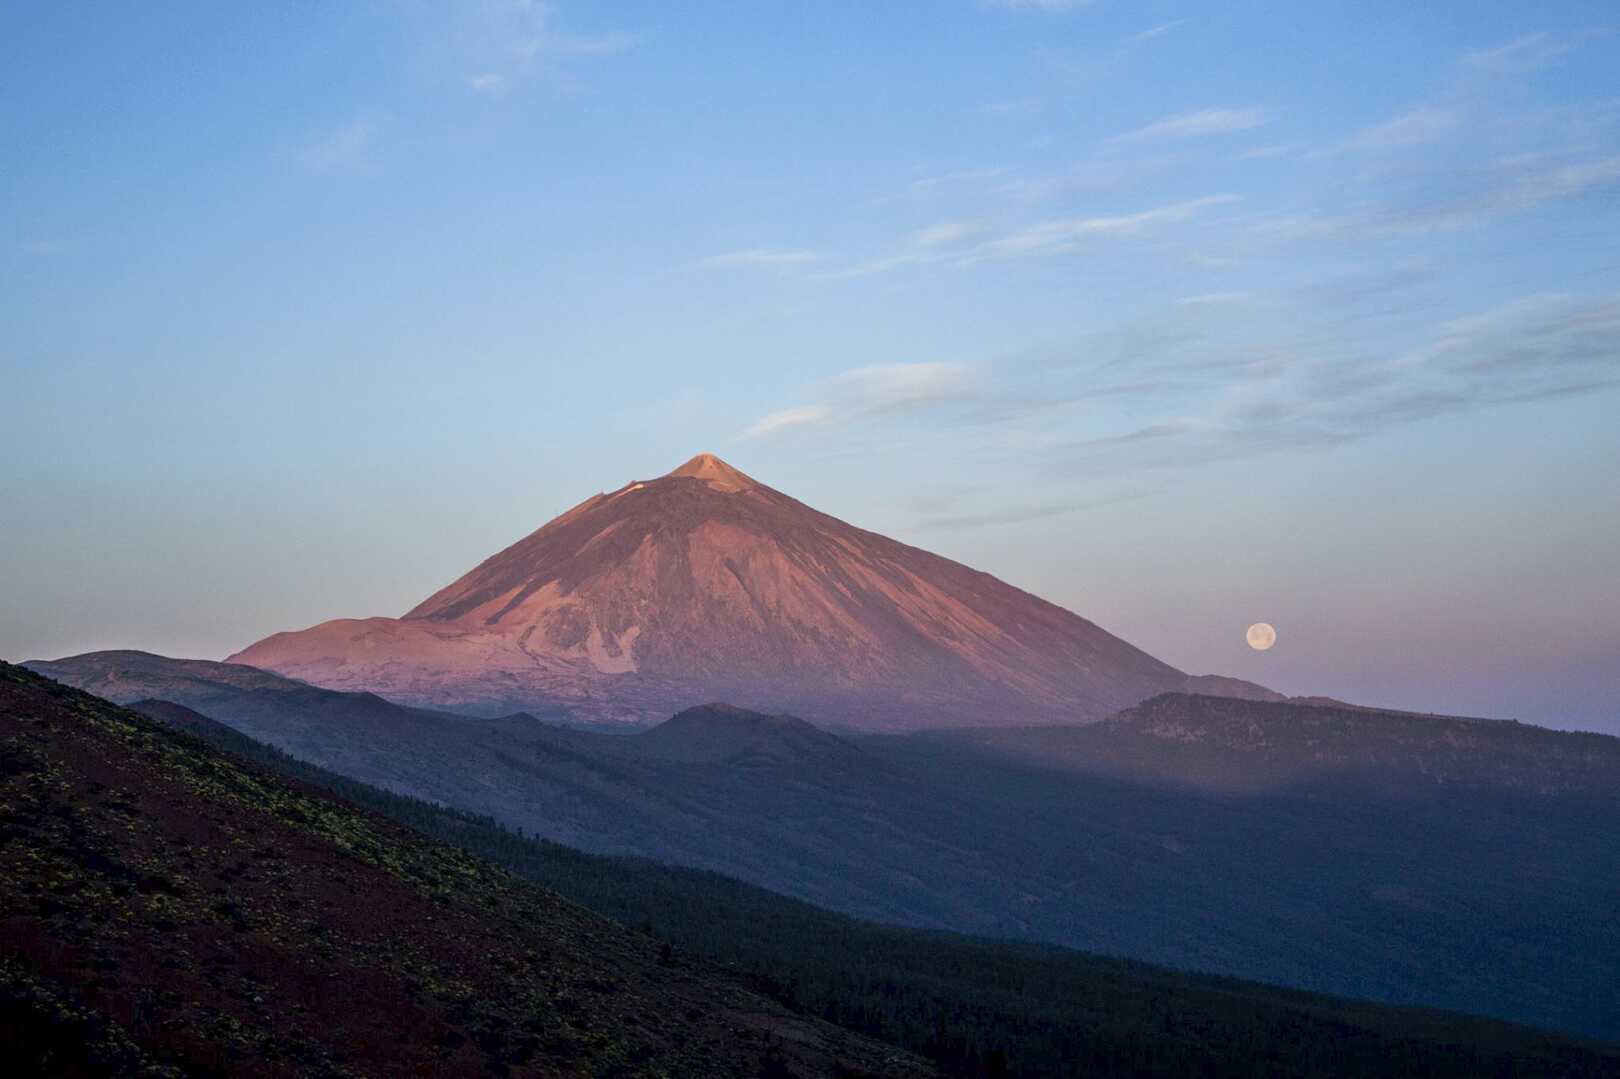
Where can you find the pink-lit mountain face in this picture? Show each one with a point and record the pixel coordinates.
(706, 585)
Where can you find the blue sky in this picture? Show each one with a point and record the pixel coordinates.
(1181, 315)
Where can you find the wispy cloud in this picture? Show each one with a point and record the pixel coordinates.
(348, 148)
(1009, 108)
(889, 387)
(1157, 31)
(788, 417)
(1462, 107)
(1222, 374)
(1531, 349)
(946, 241)
(1260, 153)
(1066, 234)
(1469, 201)
(882, 265)
(943, 234)
(1416, 127)
(1222, 394)
(507, 43)
(1528, 53)
(1510, 191)
(1528, 189)
(875, 390)
(1038, 512)
(760, 257)
(955, 181)
(933, 244)
(596, 45)
(1216, 121)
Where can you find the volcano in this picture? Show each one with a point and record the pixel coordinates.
(705, 584)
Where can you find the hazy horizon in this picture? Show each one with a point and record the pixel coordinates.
(1181, 319)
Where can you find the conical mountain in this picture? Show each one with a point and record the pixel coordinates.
(705, 584)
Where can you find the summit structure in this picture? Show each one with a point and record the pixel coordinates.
(705, 584)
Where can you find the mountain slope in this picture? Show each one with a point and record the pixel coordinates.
(122, 675)
(705, 789)
(705, 584)
(164, 904)
(1220, 744)
(1494, 896)
(971, 1002)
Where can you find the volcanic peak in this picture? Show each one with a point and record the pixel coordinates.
(705, 584)
(715, 472)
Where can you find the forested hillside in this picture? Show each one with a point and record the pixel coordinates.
(977, 1006)
(1421, 860)
(170, 909)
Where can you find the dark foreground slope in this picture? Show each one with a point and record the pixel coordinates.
(166, 905)
(1453, 863)
(979, 1006)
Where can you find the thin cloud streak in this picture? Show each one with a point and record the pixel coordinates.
(1512, 188)
(943, 234)
(760, 256)
(889, 387)
(934, 244)
(508, 44)
(1066, 234)
(347, 149)
(1529, 52)
(885, 389)
(1158, 31)
(1025, 514)
(1227, 397)
(1417, 127)
(612, 44)
(1009, 108)
(1532, 349)
(1215, 121)
(786, 418)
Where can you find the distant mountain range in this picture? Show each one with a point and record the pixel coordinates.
(1221, 745)
(704, 585)
(1471, 864)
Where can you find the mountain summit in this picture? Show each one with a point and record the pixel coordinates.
(705, 584)
(715, 472)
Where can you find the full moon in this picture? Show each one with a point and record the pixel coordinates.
(1261, 636)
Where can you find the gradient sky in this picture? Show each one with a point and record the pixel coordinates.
(1180, 315)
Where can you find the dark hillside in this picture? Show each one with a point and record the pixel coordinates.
(1475, 866)
(720, 733)
(1218, 744)
(977, 1004)
(167, 904)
